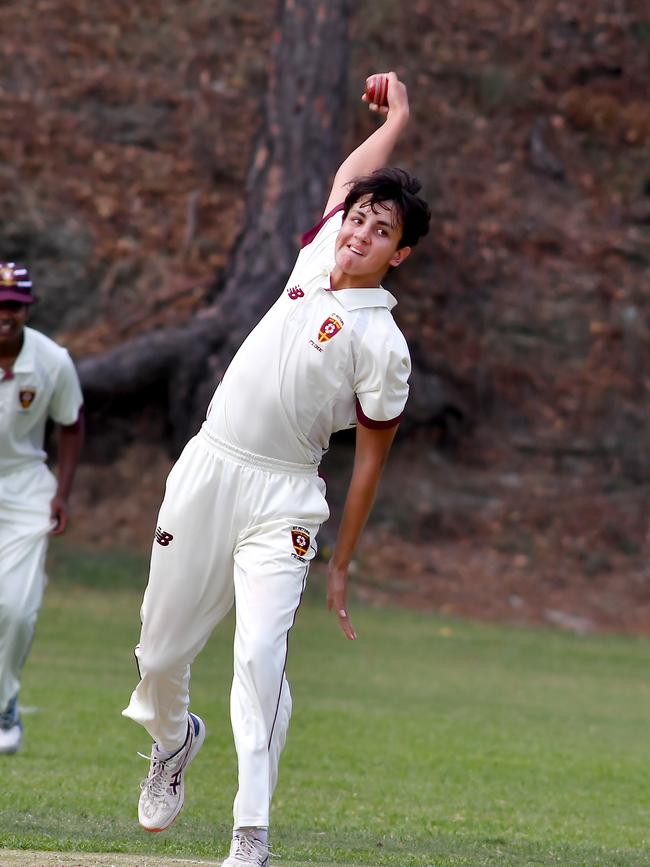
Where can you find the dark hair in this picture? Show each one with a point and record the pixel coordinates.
(401, 189)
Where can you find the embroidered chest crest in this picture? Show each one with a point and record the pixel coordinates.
(330, 328)
(26, 397)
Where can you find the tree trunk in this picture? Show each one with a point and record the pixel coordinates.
(297, 151)
(174, 371)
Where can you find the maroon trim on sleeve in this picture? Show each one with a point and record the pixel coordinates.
(363, 419)
(309, 236)
(75, 424)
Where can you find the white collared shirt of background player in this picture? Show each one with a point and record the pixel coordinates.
(300, 389)
(44, 374)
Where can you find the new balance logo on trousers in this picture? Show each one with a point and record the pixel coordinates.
(163, 538)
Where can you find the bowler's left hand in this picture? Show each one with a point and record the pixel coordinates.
(59, 514)
(337, 582)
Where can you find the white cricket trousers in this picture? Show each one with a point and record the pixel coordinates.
(25, 522)
(238, 527)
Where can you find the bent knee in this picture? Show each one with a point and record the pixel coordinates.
(156, 663)
(262, 655)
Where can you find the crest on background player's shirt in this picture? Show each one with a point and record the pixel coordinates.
(330, 328)
(300, 539)
(26, 397)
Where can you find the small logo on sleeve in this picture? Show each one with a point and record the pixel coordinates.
(295, 292)
(162, 537)
(26, 397)
(330, 328)
(300, 539)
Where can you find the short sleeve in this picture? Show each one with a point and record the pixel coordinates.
(67, 399)
(381, 380)
(317, 245)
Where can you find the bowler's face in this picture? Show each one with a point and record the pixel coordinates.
(13, 316)
(367, 244)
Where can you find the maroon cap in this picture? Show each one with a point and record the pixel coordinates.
(15, 284)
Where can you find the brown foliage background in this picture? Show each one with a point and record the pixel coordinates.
(125, 133)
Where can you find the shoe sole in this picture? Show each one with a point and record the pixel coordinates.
(196, 746)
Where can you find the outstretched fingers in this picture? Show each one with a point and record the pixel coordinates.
(337, 579)
(345, 624)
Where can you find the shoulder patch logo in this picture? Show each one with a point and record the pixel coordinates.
(26, 397)
(162, 537)
(295, 292)
(300, 539)
(330, 328)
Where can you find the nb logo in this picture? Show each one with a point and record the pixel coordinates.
(295, 292)
(163, 538)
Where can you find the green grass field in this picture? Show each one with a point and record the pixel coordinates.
(427, 742)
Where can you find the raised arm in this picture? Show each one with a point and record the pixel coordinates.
(375, 151)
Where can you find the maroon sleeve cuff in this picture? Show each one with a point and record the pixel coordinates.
(363, 419)
(309, 236)
(76, 425)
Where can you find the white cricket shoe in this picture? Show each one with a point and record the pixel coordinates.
(10, 739)
(163, 792)
(11, 728)
(247, 851)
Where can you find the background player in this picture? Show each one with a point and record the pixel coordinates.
(38, 382)
(244, 502)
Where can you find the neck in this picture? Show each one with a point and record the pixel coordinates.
(340, 280)
(10, 350)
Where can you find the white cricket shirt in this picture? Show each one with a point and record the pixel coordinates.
(317, 362)
(44, 385)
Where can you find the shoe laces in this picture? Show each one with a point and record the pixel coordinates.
(247, 847)
(161, 774)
